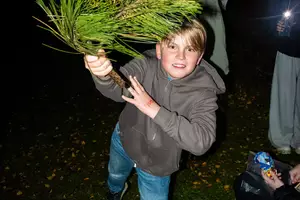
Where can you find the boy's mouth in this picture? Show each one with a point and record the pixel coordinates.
(176, 65)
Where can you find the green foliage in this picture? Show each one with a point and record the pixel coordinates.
(90, 25)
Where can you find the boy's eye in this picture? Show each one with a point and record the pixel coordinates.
(171, 46)
(190, 49)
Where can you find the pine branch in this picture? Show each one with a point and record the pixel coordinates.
(89, 25)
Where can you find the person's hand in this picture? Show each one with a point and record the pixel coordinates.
(141, 99)
(98, 65)
(295, 174)
(273, 181)
(280, 25)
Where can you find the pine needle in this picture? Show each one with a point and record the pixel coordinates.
(90, 25)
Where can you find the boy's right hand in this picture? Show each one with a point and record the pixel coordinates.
(98, 65)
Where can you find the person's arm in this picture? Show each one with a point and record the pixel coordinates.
(110, 89)
(281, 191)
(196, 133)
(286, 192)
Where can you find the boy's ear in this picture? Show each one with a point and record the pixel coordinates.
(200, 58)
(158, 50)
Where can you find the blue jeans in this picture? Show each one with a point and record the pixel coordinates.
(119, 167)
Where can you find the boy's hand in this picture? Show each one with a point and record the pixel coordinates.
(280, 25)
(141, 99)
(274, 182)
(98, 65)
(295, 174)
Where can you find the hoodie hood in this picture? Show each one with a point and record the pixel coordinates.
(205, 76)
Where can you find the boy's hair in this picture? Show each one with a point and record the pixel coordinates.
(193, 31)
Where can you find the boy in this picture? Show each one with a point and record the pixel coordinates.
(173, 108)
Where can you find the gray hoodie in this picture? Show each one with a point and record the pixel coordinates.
(186, 119)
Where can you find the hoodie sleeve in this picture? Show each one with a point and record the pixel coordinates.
(196, 133)
(110, 89)
(286, 192)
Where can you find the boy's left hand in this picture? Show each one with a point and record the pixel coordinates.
(141, 98)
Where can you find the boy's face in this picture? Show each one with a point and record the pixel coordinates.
(178, 57)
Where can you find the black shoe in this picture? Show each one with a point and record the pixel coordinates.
(118, 195)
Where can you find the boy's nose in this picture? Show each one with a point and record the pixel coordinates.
(180, 55)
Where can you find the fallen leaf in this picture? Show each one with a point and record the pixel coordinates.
(51, 177)
(204, 164)
(217, 166)
(196, 183)
(19, 193)
(86, 179)
(204, 181)
(218, 180)
(47, 185)
(226, 187)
